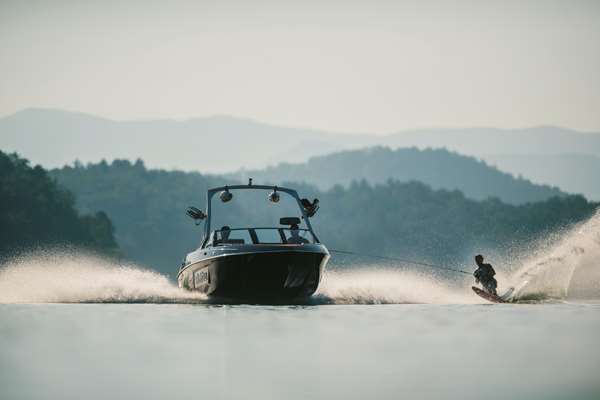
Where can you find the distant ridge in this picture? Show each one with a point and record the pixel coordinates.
(55, 138)
(222, 143)
(483, 141)
(440, 169)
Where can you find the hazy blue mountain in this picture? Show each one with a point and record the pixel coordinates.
(484, 141)
(574, 173)
(54, 138)
(439, 169)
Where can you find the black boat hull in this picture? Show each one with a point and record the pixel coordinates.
(278, 274)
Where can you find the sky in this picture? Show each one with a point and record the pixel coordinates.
(346, 66)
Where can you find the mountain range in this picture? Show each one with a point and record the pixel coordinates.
(54, 138)
(438, 168)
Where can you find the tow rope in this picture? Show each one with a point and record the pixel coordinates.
(400, 260)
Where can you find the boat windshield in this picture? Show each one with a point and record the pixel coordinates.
(223, 237)
(252, 207)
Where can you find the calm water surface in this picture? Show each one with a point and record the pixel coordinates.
(176, 351)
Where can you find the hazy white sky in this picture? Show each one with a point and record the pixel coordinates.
(370, 66)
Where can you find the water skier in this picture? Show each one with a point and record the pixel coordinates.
(484, 274)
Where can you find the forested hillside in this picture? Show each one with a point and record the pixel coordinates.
(146, 206)
(438, 168)
(36, 212)
(393, 218)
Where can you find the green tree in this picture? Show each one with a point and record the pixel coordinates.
(36, 212)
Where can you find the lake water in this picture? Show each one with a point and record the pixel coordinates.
(196, 351)
(73, 326)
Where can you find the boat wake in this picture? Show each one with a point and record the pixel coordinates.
(386, 286)
(73, 277)
(70, 277)
(566, 265)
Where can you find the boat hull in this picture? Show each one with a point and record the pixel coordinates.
(268, 274)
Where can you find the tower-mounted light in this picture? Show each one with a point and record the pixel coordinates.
(225, 195)
(274, 196)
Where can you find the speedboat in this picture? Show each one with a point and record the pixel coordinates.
(259, 262)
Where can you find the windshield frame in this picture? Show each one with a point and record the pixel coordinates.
(211, 193)
(255, 240)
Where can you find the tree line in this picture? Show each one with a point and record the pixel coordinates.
(36, 212)
(392, 218)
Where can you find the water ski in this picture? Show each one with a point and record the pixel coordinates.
(491, 297)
